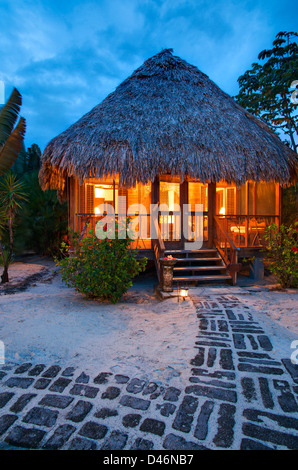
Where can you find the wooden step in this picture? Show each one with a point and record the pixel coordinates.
(202, 278)
(199, 268)
(211, 250)
(198, 259)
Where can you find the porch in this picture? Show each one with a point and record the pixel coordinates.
(234, 219)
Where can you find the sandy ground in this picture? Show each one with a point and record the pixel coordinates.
(141, 336)
(50, 323)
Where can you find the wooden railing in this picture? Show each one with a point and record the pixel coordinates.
(159, 251)
(226, 248)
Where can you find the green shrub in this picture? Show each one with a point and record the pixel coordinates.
(282, 250)
(101, 269)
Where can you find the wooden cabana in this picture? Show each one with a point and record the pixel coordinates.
(168, 134)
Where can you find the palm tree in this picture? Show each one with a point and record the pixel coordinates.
(11, 142)
(11, 198)
(11, 138)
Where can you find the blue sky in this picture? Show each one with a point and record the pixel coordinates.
(66, 56)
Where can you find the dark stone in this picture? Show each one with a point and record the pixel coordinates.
(185, 413)
(286, 399)
(291, 368)
(199, 358)
(265, 342)
(265, 392)
(153, 426)
(249, 444)
(121, 379)
(41, 416)
(258, 416)
(253, 355)
(21, 402)
(93, 430)
(253, 342)
(60, 437)
(5, 422)
(142, 444)
(102, 378)
(270, 435)
(226, 359)
(60, 385)
(172, 394)
(84, 391)
(104, 413)
(226, 422)
(56, 401)
(51, 372)
(173, 442)
(23, 368)
(150, 388)
(41, 384)
(231, 315)
(166, 409)
(2, 374)
(116, 441)
(4, 398)
(243, 367)
(248, 388)
(215, 382)
(211, 357)
(212, 392)
(83, 378)
(111, 393)
(201, 429)
(23, 437)
(218, 344)
(36, 370)
(135, 386)
(20, 382)
(79, 411)
(134, 402)
(239, 341)
(82, 444)
(218, 374)
(68, 372)
(223, 325)
(131, 420)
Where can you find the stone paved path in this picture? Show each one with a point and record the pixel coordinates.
(239, 396)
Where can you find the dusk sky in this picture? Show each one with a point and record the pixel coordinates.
(66, 56)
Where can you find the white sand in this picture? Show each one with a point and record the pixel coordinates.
(50, 323)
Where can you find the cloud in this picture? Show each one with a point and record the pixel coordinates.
(65, 57)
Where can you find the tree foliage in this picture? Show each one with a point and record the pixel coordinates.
(11, 138)
(265, 89)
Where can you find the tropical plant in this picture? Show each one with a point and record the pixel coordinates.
(101, 269)
(42, 224)
(265, 89)
(11, 138)
(11, 198)
(282, 250)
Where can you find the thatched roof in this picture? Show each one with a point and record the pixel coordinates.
(168, 117)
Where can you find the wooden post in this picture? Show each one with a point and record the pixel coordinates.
(278, 203)
(211, 213)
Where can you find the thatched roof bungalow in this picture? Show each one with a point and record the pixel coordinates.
(169, 134)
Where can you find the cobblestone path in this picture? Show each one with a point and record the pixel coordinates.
(238, 397)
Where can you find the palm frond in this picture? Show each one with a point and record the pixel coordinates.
(12, 147)
(9, 114)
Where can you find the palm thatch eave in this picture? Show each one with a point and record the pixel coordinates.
(168, 117)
